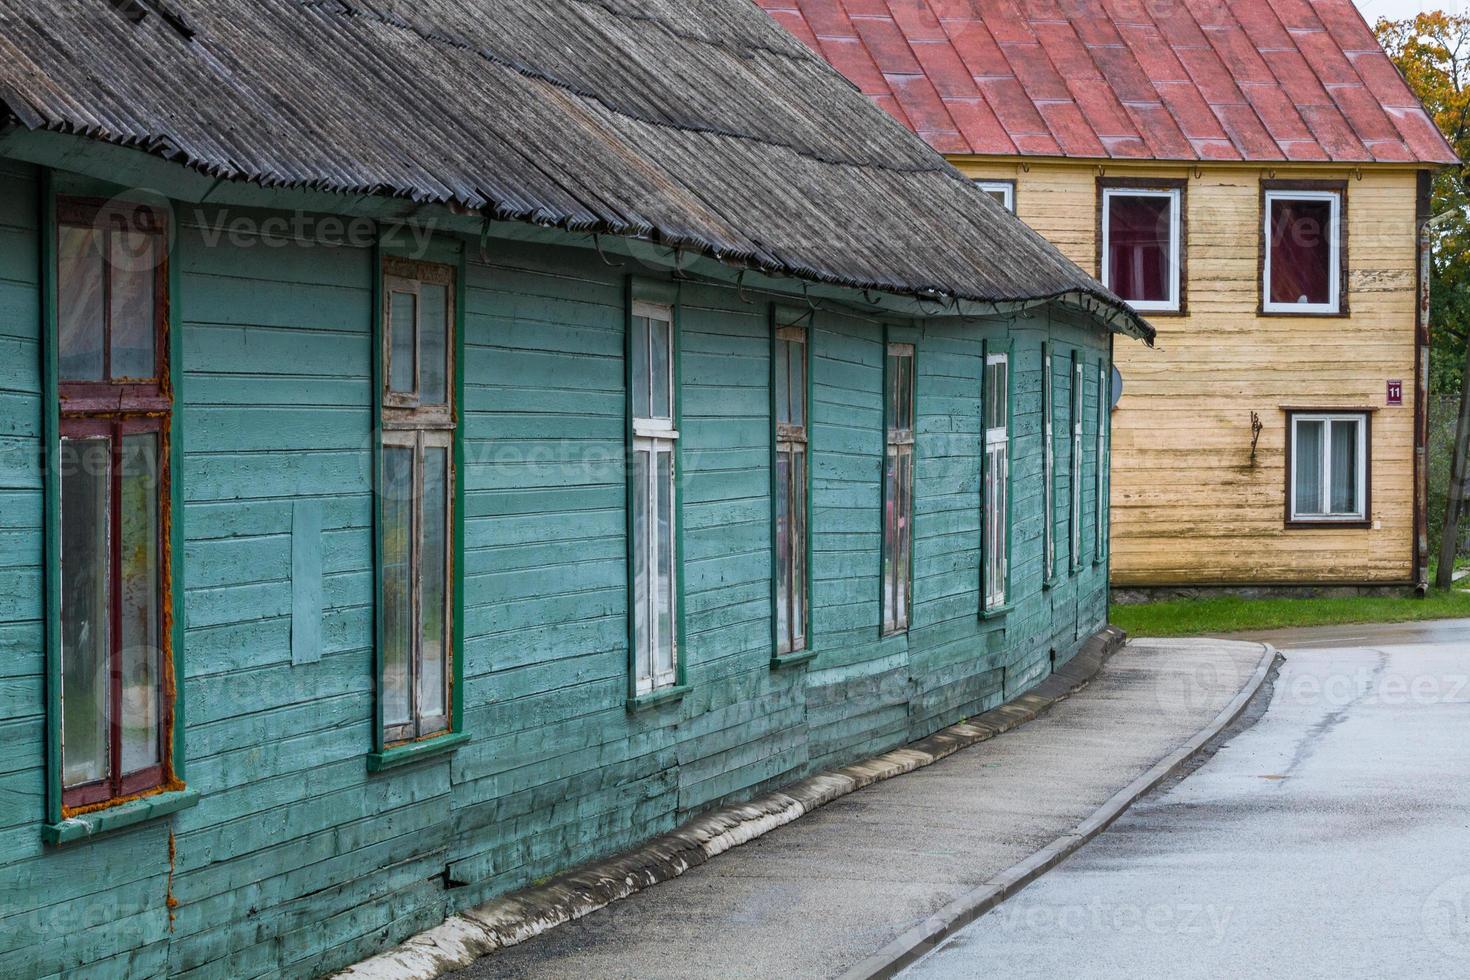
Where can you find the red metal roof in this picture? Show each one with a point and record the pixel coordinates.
(1301, 80)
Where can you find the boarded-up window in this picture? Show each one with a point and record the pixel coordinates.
(1302, 266)
(652, 489)
(898, 488)
(790, 486)
(416, 491)
(115, 414)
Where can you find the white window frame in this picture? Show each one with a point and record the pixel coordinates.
(1005, 188)
(1334, 278)
(996, 486)
(1361, 420)
(657, 436)
(1075, 526)
(1048, 466)
(1171, 305)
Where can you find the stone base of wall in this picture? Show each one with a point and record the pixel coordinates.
(1142, 594)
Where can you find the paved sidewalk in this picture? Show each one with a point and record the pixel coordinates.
(818, 896)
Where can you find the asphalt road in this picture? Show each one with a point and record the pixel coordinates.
(1330, 839)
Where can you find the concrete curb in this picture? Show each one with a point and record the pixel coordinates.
(929, 934)
(461, 939)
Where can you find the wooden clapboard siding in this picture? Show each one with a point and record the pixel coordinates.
(296, 859)
(1190, 507)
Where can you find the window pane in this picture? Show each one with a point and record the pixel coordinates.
(890, 537)
(433, 603)
(1138, 247)
(86, 467)
(139, 594)
(397, 545)
(798, 550)
(1048, 469)
(798, 383)
(891, 395)
(904, 532)
(642, 642)
(133, 267)
(1001, 196)
(403, 327)
(640, 368)
(783, 381)
(1309, 449)
(1301, 252)
(434, 345)
(783, 550)
(665, 651)
(900, 392)
(1345, 468)
(79, 312)
(659, 369)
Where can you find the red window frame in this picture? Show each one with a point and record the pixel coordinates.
(113, 410)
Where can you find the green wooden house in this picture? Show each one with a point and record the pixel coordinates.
(442, 443)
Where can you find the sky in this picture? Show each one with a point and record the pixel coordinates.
(1401, 9)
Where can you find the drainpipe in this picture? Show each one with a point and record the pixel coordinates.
(1421, 388)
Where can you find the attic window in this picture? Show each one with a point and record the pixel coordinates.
(1003, 191)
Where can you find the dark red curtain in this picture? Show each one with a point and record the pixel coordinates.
(1138, 247)
(1301, 252)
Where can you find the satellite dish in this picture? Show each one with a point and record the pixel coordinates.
(1117, 387)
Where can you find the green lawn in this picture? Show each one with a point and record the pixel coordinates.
(1231, 615)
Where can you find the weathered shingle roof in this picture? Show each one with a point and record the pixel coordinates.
(697, 123)
(1258, 80)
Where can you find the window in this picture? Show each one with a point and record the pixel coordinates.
(997, 479)
(416, 491)
(1048, 467)
(1004, 192)
(1142, 242)
(655, 570)
(116, 412)
(1328, 468)
(1075, 518)
(1100, 477)
(1302, 269)
(898, 487)
(790, 490)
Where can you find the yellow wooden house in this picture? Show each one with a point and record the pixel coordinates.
(1254, 178)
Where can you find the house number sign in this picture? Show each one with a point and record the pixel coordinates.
(1395, 392)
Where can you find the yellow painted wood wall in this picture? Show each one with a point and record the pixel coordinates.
(1190, 506)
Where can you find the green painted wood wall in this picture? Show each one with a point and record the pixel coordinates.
(297, 860)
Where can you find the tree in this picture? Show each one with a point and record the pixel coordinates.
(1432, 51)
